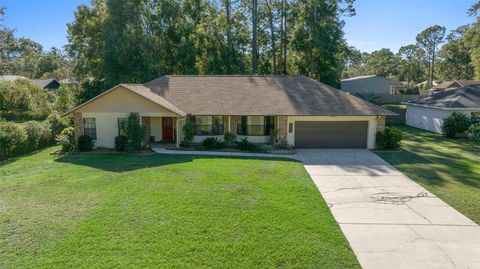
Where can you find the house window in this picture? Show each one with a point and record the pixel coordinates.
(121, 122)
(90, 128)
(255, 125)
(208, 125)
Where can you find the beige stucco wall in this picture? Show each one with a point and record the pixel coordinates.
(372, 125)
(156, 128)
(123, 100)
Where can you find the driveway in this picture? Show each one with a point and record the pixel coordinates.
(389, 220)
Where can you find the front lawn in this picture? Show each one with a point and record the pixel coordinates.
(449, 168)
(99, 210)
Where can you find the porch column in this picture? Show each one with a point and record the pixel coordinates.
(282, 129)
(77, 124)
(226, 127)
(381, 124)
(233, 124)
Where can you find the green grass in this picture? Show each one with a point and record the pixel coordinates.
(449, 168)
(394, 106)
(99, 210)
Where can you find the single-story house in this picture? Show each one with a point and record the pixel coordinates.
(371, 84)
(450, 85)
(428, 113)
(301, 111)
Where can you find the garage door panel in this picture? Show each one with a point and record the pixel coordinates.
(331, 134)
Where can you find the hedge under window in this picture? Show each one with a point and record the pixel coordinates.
(90, 128)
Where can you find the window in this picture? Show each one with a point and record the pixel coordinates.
(255, 125)
(90, 128)
(208, 125)
(121, 122)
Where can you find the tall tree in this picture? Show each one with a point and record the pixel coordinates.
(410, 57)
(254, 36)
(472, 40)
(430, 40)
(455, 61)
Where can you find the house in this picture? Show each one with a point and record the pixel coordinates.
(428, 113)
(371, 84)
(449, 85)
(48, 84)
(301, 111)
(70, 82)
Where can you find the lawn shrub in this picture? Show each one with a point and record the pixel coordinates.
(85, 143)
(244, 144)
(57, 123)
(121, 143)
(66, 139)
(135, 132)
(189, 133)
(212, 143)
(13, 139)
(229, 139)
(456, 125)
(473, 132)
(38, 134)
(390, 138)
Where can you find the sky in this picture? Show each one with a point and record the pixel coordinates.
(377, 24)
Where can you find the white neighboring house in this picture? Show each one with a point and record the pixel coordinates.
(371, 84)
(429, 113)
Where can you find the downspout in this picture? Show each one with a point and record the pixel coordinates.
(229, 124)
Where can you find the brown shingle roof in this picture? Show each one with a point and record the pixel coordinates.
(259, 95)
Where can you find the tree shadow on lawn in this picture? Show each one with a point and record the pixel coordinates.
(432, 169)
(112, 162)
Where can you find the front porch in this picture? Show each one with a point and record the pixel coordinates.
(160, 129)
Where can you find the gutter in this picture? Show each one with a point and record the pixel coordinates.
(445, 108)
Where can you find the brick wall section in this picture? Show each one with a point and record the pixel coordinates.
(282, 129)
(225, 124)
(233, 124)
(78, 124)
(380, 123)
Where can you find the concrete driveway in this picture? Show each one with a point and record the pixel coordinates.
(389, 220)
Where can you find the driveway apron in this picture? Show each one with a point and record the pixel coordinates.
(389, 220)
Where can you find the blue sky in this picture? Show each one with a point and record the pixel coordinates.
(378, 23)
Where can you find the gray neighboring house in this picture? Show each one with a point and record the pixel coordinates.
(371, 84)
(48, 84)
(428, 113)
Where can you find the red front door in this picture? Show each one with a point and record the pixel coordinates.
(167, 129)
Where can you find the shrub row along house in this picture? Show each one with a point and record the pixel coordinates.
(298, 110)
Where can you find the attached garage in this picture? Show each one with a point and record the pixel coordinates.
(331, 134)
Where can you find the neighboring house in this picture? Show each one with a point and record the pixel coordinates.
(428, 113)
(11, 78)
(301, 111)
(449, 85)
(48, 84)
(372, 84)
(70, 82)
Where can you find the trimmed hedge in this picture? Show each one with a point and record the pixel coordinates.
(456, 125)
(390, 138)
(85, 143)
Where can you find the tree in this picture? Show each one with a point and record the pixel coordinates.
(455, 61)
(410, 63)
(430, 40)
(254, 36)
(472, 40)
(382, 63)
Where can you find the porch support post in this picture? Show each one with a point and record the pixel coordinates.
(77, 124)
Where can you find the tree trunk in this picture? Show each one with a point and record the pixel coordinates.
(229, 36)
(254, 36)
(272, 36)
(284, 36)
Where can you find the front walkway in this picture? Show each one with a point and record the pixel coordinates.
(163, 150)
(389, 220)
